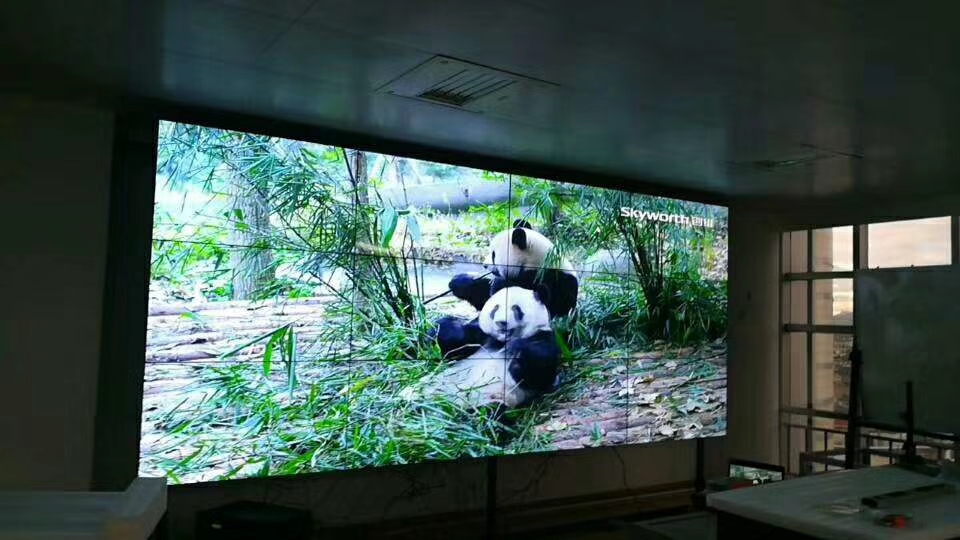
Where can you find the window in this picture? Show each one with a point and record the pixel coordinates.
(830, 381)
(795, 302)
(833, 301)
(833, 249)
(918, 242)
(817, 313)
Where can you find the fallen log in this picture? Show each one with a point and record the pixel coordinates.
(211, 354)
(261, 325)
(236, 336)
(189, 353)
(212, 315)
(177, 308)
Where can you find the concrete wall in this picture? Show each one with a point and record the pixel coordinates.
(753, 366)
(790, 215)
(395, 493)
(55, 169)
(54, 180)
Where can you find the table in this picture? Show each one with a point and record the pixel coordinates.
(809, 507)
(127, 515)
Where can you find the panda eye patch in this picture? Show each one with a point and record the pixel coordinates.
(518, 313)
(494, 310)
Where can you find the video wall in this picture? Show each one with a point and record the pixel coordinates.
(316, 308)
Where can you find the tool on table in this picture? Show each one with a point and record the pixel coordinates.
(897, 521)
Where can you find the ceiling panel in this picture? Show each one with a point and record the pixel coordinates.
(801, 40)
(50, 39)
(248, 90)
(213, 30)
(685, 93)
(287, 9)
(500, 33)
(313, 51)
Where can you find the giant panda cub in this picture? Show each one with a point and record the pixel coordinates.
(518, 257)
(518, 360)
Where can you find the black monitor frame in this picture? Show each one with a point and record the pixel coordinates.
(133, 175)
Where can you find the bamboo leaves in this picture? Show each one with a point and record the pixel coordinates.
(282, 340)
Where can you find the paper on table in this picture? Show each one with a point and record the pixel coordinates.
(842, 507)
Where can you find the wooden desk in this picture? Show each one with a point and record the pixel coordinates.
(801, 508)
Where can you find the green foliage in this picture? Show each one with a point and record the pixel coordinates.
(346, 415)
(306, 187)
(308, 406)
(184, 264)
(611, 317)
(665, 296)
(349, 416)
(614, 314)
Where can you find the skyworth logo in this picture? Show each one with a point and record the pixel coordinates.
(686, 221)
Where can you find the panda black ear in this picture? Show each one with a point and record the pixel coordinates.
(522, 223)
(519, 238)
(542, 293)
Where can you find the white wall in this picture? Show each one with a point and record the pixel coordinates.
(55, 168)
(754, 335)
(54, 183)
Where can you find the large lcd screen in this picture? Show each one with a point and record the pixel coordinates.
(316, 308)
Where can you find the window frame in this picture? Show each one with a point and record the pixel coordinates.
(790, 448)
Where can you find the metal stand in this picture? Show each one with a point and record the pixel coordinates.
(853, 453)
(909, 447)
(910, 456)
(491, 507)
(852, 442)
(700, 481)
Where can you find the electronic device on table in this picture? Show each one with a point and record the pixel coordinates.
(755, 472)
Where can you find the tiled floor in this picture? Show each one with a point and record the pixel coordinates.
(694, 526)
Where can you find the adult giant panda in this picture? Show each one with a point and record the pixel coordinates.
(518, 360)
(518, 257)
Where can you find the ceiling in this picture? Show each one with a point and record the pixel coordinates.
(787, 98)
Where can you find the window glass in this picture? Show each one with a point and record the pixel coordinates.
(795, 251)
(794, 385)
(833, 249)
(798, 437)
(917, 242)
(833, 301)
(831, 371)
(795, 302)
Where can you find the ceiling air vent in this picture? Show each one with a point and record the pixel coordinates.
(465, 86)
(455, 83)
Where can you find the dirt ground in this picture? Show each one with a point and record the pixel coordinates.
(653, 396)
(666, 393)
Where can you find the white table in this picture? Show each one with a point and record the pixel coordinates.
(807, 506)
(41, 515)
